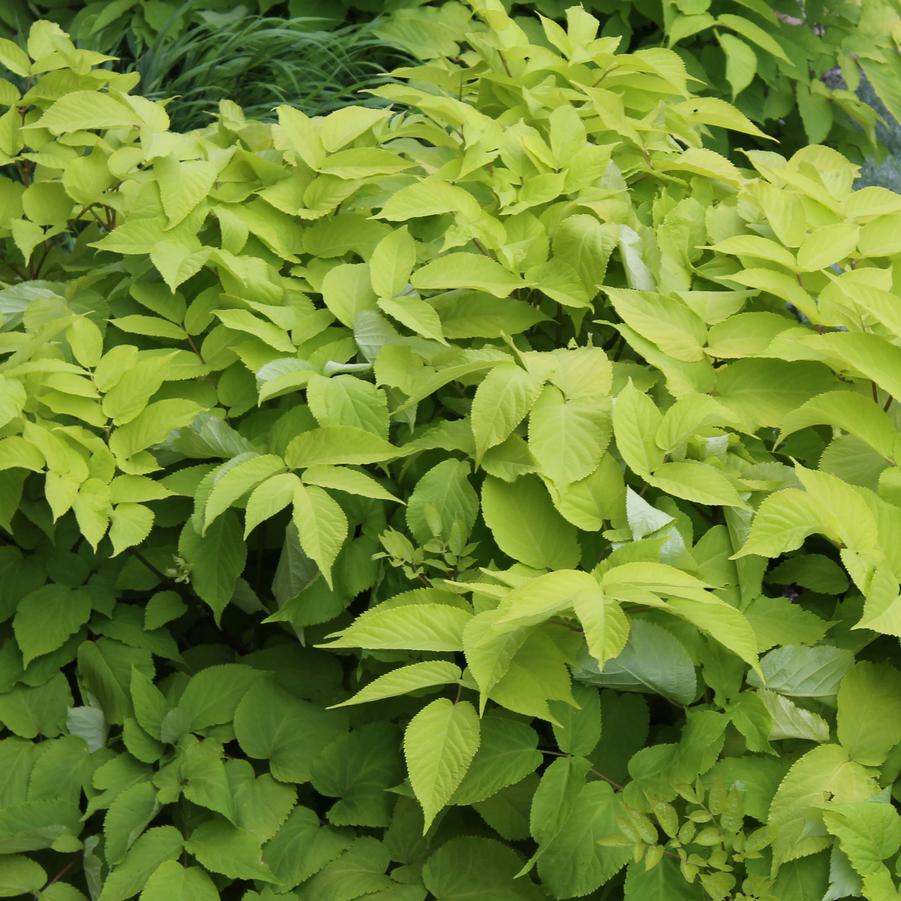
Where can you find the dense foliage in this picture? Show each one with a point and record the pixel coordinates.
(492, 495)
(794, 68)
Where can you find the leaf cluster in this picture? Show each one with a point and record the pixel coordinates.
(495, 493)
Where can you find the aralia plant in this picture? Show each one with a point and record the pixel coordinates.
(495, 494)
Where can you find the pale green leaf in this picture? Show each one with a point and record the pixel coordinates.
(802, 672)
(466, 270)
(741, 62)
(392, 263)
(652, 661)
(339, 444)
(788, 720)
(636, 421)
(568, 437)
(344, 400)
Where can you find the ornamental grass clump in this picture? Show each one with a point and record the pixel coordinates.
(490, 494)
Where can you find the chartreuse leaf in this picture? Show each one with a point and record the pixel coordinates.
(417, 315)
(636, 421)
(184, 184)
(846, 410)
(466, 270)
(406, 679)
(419, 625)
(688, 598)
(341, 478)
(668, 322)
(567, 437)
(269, 498)
(19, 875)
(439, 745)
(603, 622)
(14, 58)
(539, 599)
(741, 62)
(503, 399)
(130, 524)
(339, 444)
(173, 882)
(79, 110)
(695, 481)
(338, 335)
